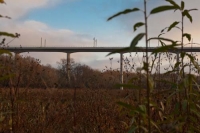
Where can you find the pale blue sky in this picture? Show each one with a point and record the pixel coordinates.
(86, 17)
(80, 15)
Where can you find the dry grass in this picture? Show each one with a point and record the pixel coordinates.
(65, 111)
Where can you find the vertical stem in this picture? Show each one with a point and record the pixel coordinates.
(140, 102)
(183, 76)
(68, 68)
(158, 67)
(189, 91)
(178, 76)
(182, 32)
(147, 60)
(74, 111)
(190, 67)
(121, 69)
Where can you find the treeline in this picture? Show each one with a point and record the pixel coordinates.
(27, 72)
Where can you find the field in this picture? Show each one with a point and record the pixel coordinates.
(65, 111)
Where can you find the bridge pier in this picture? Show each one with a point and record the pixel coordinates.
(69, 50)
(121, 70)
(68, 68)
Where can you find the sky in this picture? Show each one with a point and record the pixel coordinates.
(74, 23)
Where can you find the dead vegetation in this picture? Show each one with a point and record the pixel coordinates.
(64, 111)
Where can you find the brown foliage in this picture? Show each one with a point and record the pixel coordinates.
(54, 110)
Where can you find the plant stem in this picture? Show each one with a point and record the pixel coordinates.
(147, 81)
(182, 32)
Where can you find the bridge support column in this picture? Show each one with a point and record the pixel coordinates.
(68, 68)
(121, 70)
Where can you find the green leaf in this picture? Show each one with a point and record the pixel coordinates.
(136, 40)
(162, 8)
(172, 71)
(123, 50)
(7, 34)
(174, 4)
(194, 9)
(196, 65)
(145, 66)
(183, 54)
(142, 109)
(162, 43)
(182, 5)
(174, 93)
(3, 51)
(188, 36)
(123, 12)
(172, 25)
(186, 13)
(177, 65)
(163, 39)
(7, 17)
(1, 16)
(137, 25)
(163, 30)
(151, 83)
(165, 48)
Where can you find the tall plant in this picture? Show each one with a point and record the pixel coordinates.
(13, 90)
(143, 112)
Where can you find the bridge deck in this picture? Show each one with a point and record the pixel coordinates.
(69, 50)
(90, 49)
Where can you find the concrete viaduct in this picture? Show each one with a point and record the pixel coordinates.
(70, 50)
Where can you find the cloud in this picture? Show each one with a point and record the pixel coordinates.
(19, 8)
(32, 31)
